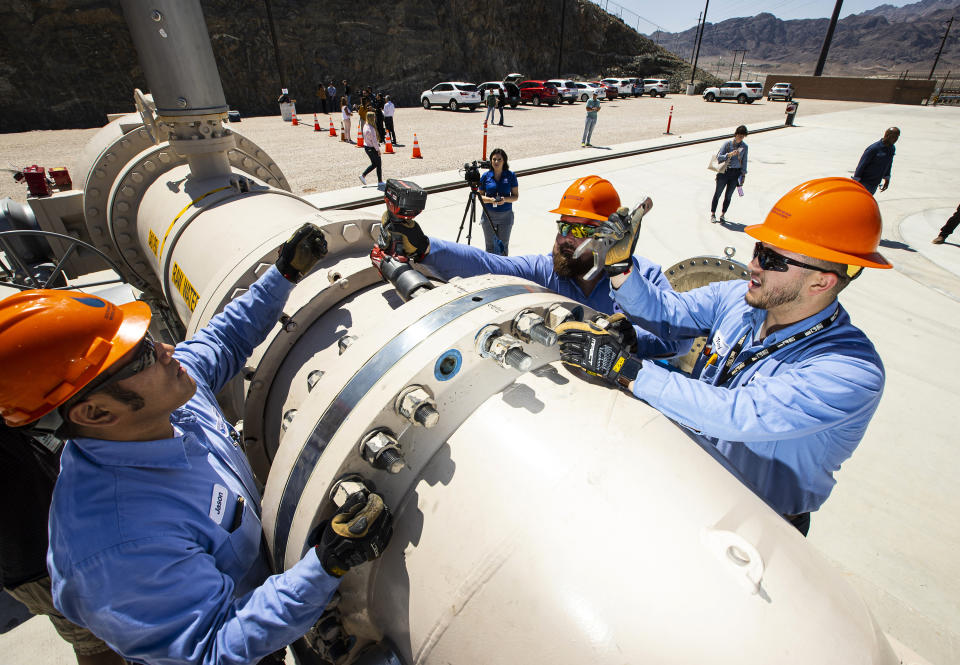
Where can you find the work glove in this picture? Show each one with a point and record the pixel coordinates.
(404, 237)
(301, 252)
(623, 227)
(599, 351)
(621, 326)
(359, 532)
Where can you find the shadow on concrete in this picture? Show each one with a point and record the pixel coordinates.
(896, 244)
(732, 226)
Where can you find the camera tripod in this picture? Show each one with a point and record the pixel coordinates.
(470, 210)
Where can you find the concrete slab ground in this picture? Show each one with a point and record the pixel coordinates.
(891, 524)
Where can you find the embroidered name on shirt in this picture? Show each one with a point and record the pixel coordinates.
(217, 503)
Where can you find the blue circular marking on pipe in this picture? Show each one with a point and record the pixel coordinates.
(443, 370)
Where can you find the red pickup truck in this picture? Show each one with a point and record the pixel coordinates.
(534, 92)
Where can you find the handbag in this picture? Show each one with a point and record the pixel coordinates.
(714, 165)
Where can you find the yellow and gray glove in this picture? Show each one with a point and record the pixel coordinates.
(602, 352)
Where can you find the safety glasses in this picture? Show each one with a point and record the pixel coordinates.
(146, 355)
(576, 230)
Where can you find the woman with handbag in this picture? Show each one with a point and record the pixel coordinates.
(731, 167)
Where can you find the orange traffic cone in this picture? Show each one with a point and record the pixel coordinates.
(294, 122)
(359, 136)
(316, 123)
(416, 149)
(389, 149)
(333, 132)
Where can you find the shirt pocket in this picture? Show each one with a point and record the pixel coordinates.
(241, 547)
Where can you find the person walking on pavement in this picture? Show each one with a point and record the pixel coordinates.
(491, 104)
(876, 162)
(734, 153)
(155, 533)
(786, 385)
(498, 190)
(372, 147)
(584, 206)
(345, 115)
(593, 107)
(28, 471)
(948, 228)
(388, 112)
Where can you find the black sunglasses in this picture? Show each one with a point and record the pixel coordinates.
(771, 260)
(146, 355)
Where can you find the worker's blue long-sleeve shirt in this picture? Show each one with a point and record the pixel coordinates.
(141, 546)
(450, 259)
(875, 163)
(786, 422)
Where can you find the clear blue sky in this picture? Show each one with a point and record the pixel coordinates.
(679, 15)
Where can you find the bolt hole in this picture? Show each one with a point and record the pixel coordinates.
(738, 556)
(447, 365)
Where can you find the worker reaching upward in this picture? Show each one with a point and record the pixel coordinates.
(155, 536)
(786, 385)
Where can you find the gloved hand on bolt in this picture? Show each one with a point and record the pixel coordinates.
(602, 348)
(359, 532)
(301, 252)
(404, 237)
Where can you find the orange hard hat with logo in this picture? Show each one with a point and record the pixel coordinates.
(53, 343)
(590, 197)
(834, 219)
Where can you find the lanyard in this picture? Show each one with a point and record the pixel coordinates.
(728, 374)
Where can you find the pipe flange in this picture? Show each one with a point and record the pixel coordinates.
(249, 158)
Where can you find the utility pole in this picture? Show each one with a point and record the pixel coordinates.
(696, 38)
(829, 38)
(743, 55)
(276, 47)
(942, 42)
(696, 53)
(734, 63)
(563, 13)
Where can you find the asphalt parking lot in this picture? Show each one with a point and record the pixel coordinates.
(314, 162)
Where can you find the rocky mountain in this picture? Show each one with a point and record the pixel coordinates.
(885, 41)
(66, 63)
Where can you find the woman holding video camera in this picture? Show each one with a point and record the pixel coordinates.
(498, 190)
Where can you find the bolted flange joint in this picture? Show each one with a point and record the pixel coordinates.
(381, 450)
(416, 405)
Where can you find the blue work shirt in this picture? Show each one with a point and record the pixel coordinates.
(786, 422)
(875, 163)
(146, 547)
(738, 161)
(489, 186)
(451, 259)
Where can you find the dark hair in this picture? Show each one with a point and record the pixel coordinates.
(502, 153)
(742, 129)
(131, 398)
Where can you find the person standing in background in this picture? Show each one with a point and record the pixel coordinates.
(498, 190)
(321, 98)
(388, 110)
(734, 153)
(346, 91)
(345, 115)
(593, 106)
(876, 161)
(378, 110)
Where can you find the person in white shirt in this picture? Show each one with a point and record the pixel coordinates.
(388, 110)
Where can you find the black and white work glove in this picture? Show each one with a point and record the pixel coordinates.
(301, 252)
(599, 351)
(623, 228)
(359, 532)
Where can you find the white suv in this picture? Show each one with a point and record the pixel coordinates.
(566, 89)
(452, 94)
(782, 91)
(745, 92)
(623, 87)
(654, 87)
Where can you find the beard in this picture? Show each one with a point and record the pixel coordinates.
(783, 295)
(566, 266)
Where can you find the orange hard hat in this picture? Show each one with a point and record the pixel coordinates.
(834, 219)
(53, 343)
(591, 197)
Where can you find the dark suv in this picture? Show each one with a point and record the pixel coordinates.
(534, 92)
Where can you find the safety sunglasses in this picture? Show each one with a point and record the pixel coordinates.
(576, 230)
(771, 260)
(146, 355)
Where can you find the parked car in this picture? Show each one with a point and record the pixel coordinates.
(610, 89)
(745, 92)
(534, 92)
(585, 90)
(566, 89)
(452, 94)
(636, 86)
(654, 87)
(782, 91)
(623, 86)
(508, 90)
(513, 78)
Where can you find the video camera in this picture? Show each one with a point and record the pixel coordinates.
(471, 171)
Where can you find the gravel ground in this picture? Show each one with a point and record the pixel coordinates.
(315, 162)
